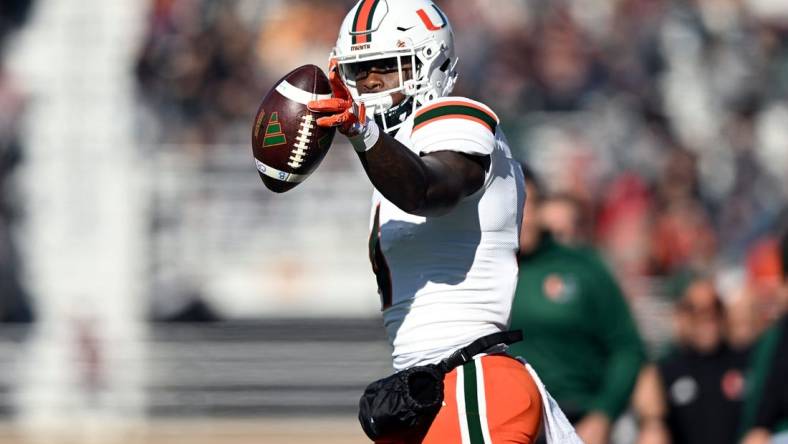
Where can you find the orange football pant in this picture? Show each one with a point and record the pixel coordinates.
(490, 400)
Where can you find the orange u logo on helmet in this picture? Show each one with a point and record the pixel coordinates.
(424, 16)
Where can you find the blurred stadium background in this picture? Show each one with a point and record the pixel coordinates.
(151, 290)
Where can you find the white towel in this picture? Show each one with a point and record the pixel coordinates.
(557, 429)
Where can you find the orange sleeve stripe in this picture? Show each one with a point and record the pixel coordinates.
(455, 110)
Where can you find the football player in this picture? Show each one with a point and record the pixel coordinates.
(446, 213)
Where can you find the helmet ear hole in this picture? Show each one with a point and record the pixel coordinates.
(430, 51)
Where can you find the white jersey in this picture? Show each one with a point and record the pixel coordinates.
(445, 281)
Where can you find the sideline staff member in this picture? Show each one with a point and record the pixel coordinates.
(579, 334)
(766, 409)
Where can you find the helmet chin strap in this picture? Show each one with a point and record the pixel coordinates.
(392, 119)
(388, 115)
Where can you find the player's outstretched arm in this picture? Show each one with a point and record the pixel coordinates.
(429, 185)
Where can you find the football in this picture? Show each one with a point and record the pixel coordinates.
(287, 144)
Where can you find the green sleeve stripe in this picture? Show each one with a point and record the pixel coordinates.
(472, 403)
(456, 110)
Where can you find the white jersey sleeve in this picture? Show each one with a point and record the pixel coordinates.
(455, 124)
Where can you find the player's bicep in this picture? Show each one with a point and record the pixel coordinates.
(456, 138)
(453, 176)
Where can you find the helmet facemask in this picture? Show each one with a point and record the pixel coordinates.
(418, 88)
(380, 104)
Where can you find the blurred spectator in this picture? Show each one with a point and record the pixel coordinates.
(13, 13)
(564, 217)
(764, 279)
(566, 73)
(699, 388)
(579, 331)
(198, 71)
(766, 410)
(750, 207)
(683, 234)
(648, 403)
(14, 303)
(624, 225)
(741, 323)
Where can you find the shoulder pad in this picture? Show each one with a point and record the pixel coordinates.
(455, 108)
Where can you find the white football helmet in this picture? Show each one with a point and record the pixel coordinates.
(414, 32)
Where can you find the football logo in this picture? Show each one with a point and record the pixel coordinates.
(273, 133)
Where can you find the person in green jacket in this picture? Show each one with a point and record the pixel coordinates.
(766, 408)
(578, 331)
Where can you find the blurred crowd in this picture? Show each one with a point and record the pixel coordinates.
(660, 125)
(664, 120)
